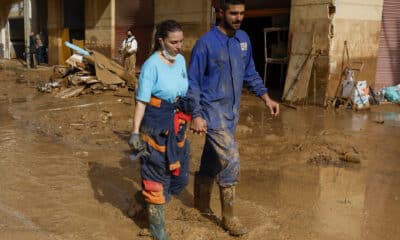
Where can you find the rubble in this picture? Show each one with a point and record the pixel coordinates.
(87, 72)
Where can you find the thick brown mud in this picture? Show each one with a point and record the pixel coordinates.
(65, 171)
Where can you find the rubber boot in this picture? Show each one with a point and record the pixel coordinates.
(202, 193)
(229, 221)
(156, 221)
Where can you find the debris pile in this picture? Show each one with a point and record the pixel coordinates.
(87, 73)
(390, 94)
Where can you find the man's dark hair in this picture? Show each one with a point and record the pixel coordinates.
(224, 3)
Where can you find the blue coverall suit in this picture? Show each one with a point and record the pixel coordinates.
(219, 67)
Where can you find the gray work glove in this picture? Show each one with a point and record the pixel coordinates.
(135, 142)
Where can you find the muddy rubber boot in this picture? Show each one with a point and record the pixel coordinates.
(202, 193)
(229, 221)
(156, 221)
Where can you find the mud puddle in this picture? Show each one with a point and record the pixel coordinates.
(337, 200)
(48, 190)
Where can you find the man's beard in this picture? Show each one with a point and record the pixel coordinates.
(229, 26)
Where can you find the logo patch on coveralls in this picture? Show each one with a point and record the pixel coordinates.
(243, 46)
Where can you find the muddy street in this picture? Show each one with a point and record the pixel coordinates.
(65, 171)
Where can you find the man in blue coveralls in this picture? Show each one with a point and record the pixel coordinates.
(221, 63)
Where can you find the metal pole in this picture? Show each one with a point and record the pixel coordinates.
(27, 27)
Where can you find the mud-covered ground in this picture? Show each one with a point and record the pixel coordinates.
(65, 171)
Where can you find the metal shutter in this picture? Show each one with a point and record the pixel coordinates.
(388, 70)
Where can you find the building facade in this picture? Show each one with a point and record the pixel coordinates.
(323, 25)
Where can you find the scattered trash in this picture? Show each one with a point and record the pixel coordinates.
(88, 72)
(70, 92)
(380, 95)
(76, 48)
(392, 94)
(379, 121)
(348, 83)
(360, 96)
(48, 87)
(351, 157)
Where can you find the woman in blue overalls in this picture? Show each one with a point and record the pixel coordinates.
(160, 120)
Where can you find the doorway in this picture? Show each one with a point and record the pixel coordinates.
(74, 19)
(274, 72)
(17, 37)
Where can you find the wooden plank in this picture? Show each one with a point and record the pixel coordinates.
(105, 76)
(300, 90)
(295, 64)
(108, 67)
(70, 92)
(299, 62)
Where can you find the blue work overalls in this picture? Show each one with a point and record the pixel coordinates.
(219, 67)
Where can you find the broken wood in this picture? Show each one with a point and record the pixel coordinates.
(101, 61)
(70, 92)
(300, 66)
(89, 74)
(289, 93)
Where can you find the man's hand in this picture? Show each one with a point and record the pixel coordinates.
(135, 142)
(198, 125)
(271, 105)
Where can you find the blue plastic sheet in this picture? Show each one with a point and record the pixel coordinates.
(392, 94)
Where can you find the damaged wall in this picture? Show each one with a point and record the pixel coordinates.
(138, 14)
(100, 23)
(39, 16)
(11, 37)
(358, 22)
(98, 28)
(329, 23)
(195, 17)
(310, 23)
(3, 32)
(55, 25)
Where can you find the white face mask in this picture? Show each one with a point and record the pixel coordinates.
(167, 55)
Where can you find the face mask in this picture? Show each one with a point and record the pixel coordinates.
(167, 55)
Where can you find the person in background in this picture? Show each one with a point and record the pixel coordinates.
(159, 128)
(40, 48)
(128, 49)
(221, 64)
(33, 50)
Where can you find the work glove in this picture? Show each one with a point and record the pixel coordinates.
(135, 142)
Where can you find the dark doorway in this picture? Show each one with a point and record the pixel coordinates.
(17, 36)
(74, 19)
(277, 44)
